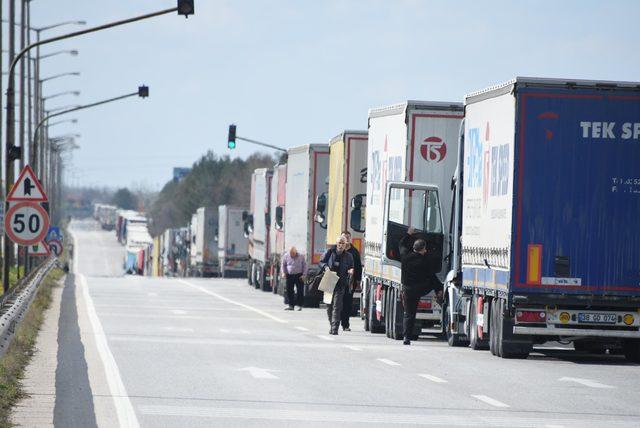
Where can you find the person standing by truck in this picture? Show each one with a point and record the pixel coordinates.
(340, 261)
(294, 268)
(418, 278)
(354, 282)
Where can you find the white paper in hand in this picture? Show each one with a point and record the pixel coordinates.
(328, 282)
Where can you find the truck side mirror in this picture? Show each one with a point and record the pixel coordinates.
(356, 219)
(279, 223)
(267, 219)
(321, 202)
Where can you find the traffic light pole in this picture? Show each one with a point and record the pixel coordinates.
(261, 144)
(10, 117)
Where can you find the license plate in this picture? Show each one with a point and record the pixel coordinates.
(597, 318)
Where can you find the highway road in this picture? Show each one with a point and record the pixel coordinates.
(173, 352)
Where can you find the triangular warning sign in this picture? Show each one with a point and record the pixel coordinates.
(27, 188)
(40, 249)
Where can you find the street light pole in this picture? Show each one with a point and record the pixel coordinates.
(11, 102)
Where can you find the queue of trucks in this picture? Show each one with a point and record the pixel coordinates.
(527, 194)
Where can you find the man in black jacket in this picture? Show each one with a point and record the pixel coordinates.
(418, 278)
(354, 283)
(340, 261)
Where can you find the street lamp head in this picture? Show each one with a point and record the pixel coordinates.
(76, 93)
(74, 52)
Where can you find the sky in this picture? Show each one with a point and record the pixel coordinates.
(293, 72)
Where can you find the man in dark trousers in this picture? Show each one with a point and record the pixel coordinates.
(354, 283)
(294, 268)
(418, 278)
(338, 260)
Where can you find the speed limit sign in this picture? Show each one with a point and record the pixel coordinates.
(26, 223)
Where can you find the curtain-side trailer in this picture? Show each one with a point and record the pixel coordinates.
(278, 199)
(232, 245)
(257, 227)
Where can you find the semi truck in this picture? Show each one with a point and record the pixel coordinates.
(232, 245)
(411, 155)
(546, 236)
(277, 209)
(257, 227)
(343, 206)
(307, 177)
(204, 245)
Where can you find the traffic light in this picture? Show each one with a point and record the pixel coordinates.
(185, 7)
(143, 91)
(231, 141)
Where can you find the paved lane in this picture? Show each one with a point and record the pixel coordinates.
(209, 352)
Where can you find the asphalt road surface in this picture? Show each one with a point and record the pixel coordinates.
(214, 352)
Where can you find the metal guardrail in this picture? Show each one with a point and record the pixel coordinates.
(15, 303)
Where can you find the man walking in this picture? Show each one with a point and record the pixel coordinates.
(354, 283)
(340, 261)
(418, 277)
(294, 268)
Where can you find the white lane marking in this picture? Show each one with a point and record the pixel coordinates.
(323, 337)
(124, 408)
(224, 330)
(388, 362)
(259, 373)
(152, 294)
(432, 378)
(490, 401)
(245, 332)
(178, 312)
(353, 348)
(301, 328)
(586, 382)
(233, 302)
(180, 329)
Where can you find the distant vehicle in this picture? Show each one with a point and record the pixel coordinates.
(105, 215)
(233, 256)
(276, 237)
(343, 206)
(257, 229)
(307, 177)
(204, 246)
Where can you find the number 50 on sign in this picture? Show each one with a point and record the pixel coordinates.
(26, 223)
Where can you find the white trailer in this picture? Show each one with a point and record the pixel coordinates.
(257, 229)
(412, 154)
(276, 237)
(203, 241)
(307, 177)
(232, 245)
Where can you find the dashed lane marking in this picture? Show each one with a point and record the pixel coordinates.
(353, 348)
(491, 401)
(388, 362)
(328, 338)
(301, 328)
(432, 378)
(586, 382)
(233, 302)
(178, 312)
(180, 329)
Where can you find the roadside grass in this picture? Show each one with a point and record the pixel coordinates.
(22, 347)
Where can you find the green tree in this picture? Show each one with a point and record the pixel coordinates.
(123, 198)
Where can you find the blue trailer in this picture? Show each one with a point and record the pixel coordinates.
(546, 225)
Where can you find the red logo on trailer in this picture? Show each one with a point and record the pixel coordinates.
(433, 149)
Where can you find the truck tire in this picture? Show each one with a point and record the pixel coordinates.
(475, 342)
(631, 350)
(397, 316)
(375, 326)
(364, 307)
(275, 279)
(492, 327)
(250, 268)
(507, 348)
(452, 339)
(387, 312)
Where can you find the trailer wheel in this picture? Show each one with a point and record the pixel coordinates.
(275, 278)
(631, 349)
(375, 326)
(452, 339)
(250, 268)
(397, 316)
(387, 312)
(492, 327)
(474, 337)
(505, 347)
(364, 304)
